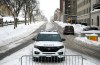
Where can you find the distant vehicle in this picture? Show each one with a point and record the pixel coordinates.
(90, 28)
(68, 30)
(48, 45)
(84, 23)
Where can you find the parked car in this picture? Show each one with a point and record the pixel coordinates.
(83, 23)
(68, 30)
(48, 45)
(90, 28)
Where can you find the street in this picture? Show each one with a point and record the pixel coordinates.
(72, 46)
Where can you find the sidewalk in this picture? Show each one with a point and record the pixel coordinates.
(9, 35)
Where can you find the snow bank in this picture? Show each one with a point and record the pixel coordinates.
(8, 34)
(78, 28)
(87, 41)
(95, 10)
(8, 19)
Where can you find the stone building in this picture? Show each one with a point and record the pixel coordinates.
(95, 12)
(88, 12)
(83, 11)
(69, 10)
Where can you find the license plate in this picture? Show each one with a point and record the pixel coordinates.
(48, 55)
(68, 30)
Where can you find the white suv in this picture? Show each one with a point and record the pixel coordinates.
(48, 45)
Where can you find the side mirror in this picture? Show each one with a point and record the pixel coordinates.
(63, 39)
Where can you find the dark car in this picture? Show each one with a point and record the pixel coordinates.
(84, 24)
(90, 28)
(68, 30)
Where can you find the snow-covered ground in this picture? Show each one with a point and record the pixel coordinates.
(78, 29)
(15, 58)
(8, 34)
(11, 19)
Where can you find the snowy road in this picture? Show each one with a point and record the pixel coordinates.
(12, 60)
(23, 43)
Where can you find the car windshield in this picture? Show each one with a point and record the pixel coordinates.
(48, 37)
(69, 27)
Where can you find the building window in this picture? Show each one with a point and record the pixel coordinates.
(97, 20)
(92, 21)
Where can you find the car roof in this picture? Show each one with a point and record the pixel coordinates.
(48, 32)
(68, 25)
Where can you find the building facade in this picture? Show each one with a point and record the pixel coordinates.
(61, 6)
(95, 12)
(71, 7)
(68, 10)
(83, 11)
(87, 13)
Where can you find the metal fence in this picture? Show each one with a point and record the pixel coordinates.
(48, 60)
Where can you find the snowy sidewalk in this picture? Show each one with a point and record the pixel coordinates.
(9, 35)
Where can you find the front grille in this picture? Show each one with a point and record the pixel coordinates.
(48, 53)
(49, 49)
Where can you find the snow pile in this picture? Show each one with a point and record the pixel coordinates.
(87, 41)
(11, 19)
(8, 19)
(95, 10)
(8, 34)
(78, 28)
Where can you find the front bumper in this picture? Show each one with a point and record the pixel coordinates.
(58, 54)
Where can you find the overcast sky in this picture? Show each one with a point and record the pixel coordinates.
(48, 7)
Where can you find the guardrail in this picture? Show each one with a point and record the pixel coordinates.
(52, 60)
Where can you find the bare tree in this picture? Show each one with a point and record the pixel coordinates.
(15, 7)
(33, 5)
(29, 6)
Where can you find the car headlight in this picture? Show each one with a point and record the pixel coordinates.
(60, 47)
(60, 53)
(36, 52)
